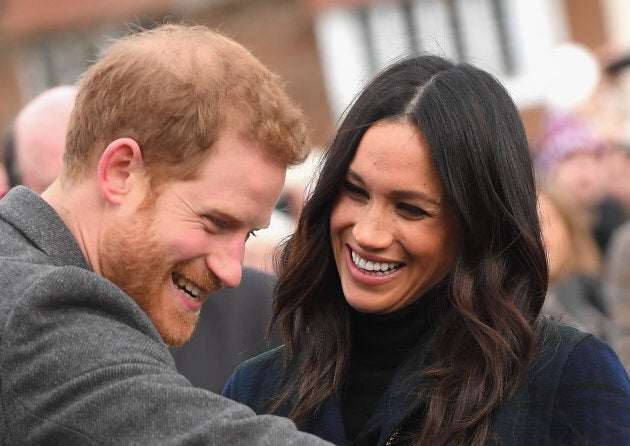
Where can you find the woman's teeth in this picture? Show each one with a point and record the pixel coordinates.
(378, 268)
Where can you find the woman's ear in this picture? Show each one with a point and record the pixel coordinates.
(119, 162)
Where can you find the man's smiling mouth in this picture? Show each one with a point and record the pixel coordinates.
(190, 288)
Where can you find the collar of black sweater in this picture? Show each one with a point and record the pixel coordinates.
(383, 340)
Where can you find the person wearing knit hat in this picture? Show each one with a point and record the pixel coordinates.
(568, 155)
(572, 157)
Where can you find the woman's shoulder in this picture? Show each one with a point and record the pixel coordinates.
(552, 333)
(588, 359)
(562, 345)
(271, 359)
(576, 391)
(255, 381)
(569, 358)
(592, 397)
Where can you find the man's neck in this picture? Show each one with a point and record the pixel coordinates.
(80, 208)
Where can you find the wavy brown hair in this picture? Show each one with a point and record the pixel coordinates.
(497, 286)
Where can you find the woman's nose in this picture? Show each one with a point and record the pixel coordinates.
(371, 230)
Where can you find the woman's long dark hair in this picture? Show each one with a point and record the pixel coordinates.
(497, 286)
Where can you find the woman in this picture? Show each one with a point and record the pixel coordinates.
(410, 291)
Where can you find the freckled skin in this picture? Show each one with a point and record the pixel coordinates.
(392, 209)
(195, 228)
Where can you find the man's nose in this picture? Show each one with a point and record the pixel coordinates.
(226, 262)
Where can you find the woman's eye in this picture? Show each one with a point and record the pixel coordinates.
(411, 211)
(353, 190)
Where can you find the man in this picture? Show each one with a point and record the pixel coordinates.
(34, 147)
(173, 130)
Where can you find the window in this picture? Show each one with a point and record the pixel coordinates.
(505, 37)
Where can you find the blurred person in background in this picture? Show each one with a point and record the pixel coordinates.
(614, 114)
(617, 179)
(609, 113)
(575, 294)
(571, 157)
(34, 146)
(582, 129)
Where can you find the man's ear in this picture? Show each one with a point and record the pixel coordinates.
(119, 162)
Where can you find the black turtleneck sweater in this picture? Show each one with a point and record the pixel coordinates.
(380, 342)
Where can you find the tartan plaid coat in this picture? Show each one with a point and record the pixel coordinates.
(576, 392)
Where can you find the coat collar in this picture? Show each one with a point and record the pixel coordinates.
(39, 222)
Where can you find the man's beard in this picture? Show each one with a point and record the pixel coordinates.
(133, 260)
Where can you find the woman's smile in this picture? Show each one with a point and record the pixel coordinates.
(394, 235)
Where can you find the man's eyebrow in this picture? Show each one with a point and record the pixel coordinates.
(217, 214)
(229, 219)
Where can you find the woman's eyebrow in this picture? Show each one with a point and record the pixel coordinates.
(414, 195)
(400, 194)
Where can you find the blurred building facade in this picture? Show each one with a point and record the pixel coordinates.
(45, 43)
(324, 49)
(509, 38)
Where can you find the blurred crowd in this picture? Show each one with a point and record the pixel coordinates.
(582, 158)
